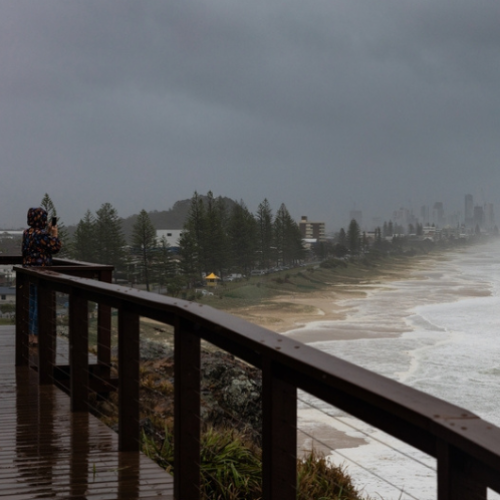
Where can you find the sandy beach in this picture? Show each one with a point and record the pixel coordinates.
(292, 311)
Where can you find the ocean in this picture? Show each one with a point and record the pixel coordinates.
(446, 319)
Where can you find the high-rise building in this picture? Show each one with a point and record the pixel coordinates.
(469, 210)
(489, 216)
(438, 213)
(424, 214)
(311, 230)
(478, 219)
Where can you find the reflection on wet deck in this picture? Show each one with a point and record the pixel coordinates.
(46, 451)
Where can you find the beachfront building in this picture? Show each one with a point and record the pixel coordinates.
(172, 236)
(311, 230)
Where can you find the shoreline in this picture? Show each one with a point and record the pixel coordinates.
(298, 315)
(289, 313)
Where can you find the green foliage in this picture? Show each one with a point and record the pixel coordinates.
(231, 469)
(353, 237)
(230, 464)
(8, 308)
(110, 248)
(165, 268)
(84, 243)
(318, 480)
(332, 263)
(287, 237)
(144, 244)
(242, 234)
(63, 235)
(265, 234)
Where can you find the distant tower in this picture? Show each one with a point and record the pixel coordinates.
(424, 214)
(469, 210)
(438, 213)
(478, 216)
(357, 215)
(489, 216)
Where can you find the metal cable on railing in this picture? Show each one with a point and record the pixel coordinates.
(360, 466)
(370, 436)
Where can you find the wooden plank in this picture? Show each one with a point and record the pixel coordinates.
(186, 411)
(22, 310)
(279, 447)
(455, 475)
(128, 375)
(48, 451)
(78, 351)
(46, 332)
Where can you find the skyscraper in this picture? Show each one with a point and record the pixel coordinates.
(469, 210)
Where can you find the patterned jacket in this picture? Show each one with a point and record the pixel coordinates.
(38, 245)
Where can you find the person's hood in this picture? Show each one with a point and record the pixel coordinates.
(37, 218)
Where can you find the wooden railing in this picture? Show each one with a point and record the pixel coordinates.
(466, 447)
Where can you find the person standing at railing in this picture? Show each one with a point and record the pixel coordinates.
(40, 242)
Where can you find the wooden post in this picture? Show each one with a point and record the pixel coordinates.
(454, 475)
(22, 318)
(186, 412)
(78, 351)
(104, 332)
(46, 333)
(128, 368)
(279, 435)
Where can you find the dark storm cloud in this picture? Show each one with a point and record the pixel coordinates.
(321, 105)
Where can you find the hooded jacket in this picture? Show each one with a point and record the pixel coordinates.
(38, 245)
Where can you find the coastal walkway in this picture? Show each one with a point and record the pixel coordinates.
(48, 451)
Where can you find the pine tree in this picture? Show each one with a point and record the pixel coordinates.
(215, 247)
(165, 267)
(192, 243)
(353, 237)
(189, 258)
(83, 244)
(144, 244)
(287, 237)
(264, 219)
(242, 234)
(342, 237)
(110, 248)
(63, 234)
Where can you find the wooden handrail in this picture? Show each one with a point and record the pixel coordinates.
(466, 447)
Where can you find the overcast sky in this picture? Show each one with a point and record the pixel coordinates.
(324, 105)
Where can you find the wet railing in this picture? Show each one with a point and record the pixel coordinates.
(466, 447)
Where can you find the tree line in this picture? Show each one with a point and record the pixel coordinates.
(216, 238)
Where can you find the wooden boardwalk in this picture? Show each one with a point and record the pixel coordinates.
(46, 451)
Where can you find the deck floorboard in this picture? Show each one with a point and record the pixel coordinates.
(46, 451)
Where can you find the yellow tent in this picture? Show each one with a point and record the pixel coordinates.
(211, 279)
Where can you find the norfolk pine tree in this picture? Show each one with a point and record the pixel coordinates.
(63, 235)
(242, 233)
(83, 245)
(144, 244)
(353, 237)
(109, 237)
(264, 219)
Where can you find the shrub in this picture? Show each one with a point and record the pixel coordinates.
(231, 469)
(332, 263)
(317, 479)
